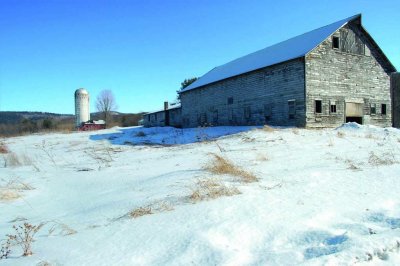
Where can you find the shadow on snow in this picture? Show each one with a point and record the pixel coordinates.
(167, 135)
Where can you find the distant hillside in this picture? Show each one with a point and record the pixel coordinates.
(19, 123)
(17, 117)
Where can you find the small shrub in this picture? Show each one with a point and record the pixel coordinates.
(24, 237)
(141, 211)
(222, 166)
(211, 189)
(140, 134)
(5, 250)
(296, 131)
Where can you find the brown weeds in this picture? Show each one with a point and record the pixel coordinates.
(222, 166)
(211, 189)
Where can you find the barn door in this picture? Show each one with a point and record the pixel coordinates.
(354, 112)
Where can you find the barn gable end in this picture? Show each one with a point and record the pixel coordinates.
(346, 71)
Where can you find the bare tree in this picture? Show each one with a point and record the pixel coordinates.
(105, 104)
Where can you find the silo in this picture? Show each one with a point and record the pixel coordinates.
(82, 113)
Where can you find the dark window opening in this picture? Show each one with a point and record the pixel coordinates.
(148, 118)
(355, 119)
(318, 106)
(292, 109)
(333, 107)
(335, 42)
(383, 109)
(373, 109)
(230, 100)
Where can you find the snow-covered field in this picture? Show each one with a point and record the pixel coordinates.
(126, 196)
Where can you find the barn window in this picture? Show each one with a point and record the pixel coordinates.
(247, 112)
(333, 107)
(230, 100)
(335, 42)
(383, 109)
(292, 108)
(373, 108)
(318, 106)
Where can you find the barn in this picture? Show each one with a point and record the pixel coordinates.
(323, 78)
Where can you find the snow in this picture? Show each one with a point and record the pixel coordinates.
(323, 197)
(290, 49)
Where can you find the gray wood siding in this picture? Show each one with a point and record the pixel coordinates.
(259, 97)
(396, 99)
(333, 75)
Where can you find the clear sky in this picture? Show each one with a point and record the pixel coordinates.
(143, 49)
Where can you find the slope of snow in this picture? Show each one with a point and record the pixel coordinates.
(324, 197)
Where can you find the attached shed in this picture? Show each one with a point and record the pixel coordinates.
(322, 78)
(169, 116)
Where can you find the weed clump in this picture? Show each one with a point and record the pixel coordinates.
(223, 166)
(211, 189)
(23, 237)
(384, 159)
(141, 211)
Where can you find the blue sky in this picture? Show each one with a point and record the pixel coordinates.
(142, 50)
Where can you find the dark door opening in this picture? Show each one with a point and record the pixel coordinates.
(356, 119)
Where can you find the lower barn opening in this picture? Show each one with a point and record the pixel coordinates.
(356, 119)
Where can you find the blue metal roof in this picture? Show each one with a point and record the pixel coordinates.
(293, 48)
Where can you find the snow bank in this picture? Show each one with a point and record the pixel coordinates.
(322, 198)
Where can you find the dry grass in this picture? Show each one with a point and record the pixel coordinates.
(267, 128)
(58, 228)
(3, 148)
(211, 189)
(139, 212)
(352, 165)
(262, 157)
(222, 166)
(12, 189)
(340, 134)
(386, 158)
(8, 194)
(11, 160)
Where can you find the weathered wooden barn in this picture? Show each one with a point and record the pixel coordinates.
(169, 116)
(396, 99)
(322, 78)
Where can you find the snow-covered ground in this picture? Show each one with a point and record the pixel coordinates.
(323, 197)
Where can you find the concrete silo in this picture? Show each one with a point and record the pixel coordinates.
(82, 112)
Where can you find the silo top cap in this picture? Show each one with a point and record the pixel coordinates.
(81, 91)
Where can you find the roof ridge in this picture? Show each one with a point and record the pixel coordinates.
(270, 55)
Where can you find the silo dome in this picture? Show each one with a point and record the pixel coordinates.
(82, 113)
